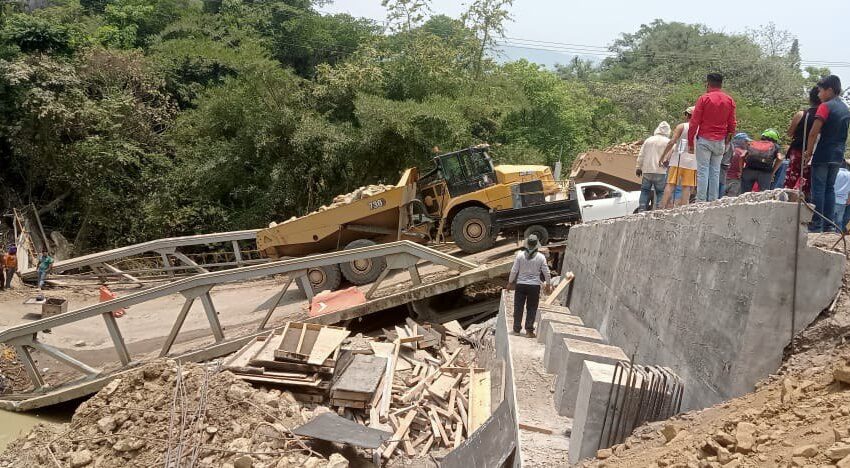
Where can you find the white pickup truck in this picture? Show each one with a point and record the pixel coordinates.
(598, 200)
(588, 201)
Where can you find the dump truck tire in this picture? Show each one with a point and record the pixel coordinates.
(471, 230)
(326, 278)
(360, 272)
(540, 231)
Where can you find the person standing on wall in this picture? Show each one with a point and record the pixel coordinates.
(801, 121)
(761, 160)
(682, 164)
(711, 130)
(653, 175)
(829, 132)
(525, 279)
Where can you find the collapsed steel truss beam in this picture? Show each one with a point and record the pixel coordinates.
(163, 247)
(401, 255)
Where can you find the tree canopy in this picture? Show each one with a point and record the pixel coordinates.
(151, 118)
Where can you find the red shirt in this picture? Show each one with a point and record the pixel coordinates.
(714, 117)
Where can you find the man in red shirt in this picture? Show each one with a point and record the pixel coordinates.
(712, 127)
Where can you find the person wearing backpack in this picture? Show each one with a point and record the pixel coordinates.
(761, 161)
(738, 149)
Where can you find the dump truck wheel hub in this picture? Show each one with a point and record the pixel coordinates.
(362, 265)
(474, 229)
(316, 276)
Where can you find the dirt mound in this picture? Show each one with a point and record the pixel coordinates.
(175, 415)
(797, 417)
(632, 148)
(13, 377)
(340, 200)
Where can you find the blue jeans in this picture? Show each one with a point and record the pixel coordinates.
(779, 177)
(709, 155)
(648, 183)
(840, 209)
(823, 194)
(42, 276)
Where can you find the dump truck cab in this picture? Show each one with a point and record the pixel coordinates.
(464, 188)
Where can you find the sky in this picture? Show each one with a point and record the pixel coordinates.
(589, 25)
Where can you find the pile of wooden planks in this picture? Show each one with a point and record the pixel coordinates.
(419, 382)
(301, 358)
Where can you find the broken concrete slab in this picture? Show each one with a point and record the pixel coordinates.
(554, 340)
(576, 352)
(716, 305)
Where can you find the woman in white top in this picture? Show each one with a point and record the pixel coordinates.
(529, 272)
(682, 165)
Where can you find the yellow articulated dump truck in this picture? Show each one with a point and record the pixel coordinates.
(455, 199)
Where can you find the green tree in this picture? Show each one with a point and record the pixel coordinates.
(487, 18)
(404, 15)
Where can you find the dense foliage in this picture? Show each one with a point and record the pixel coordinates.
(147, 118)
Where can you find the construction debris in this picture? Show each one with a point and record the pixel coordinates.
(419, 382)
(340, 200)
(170, 414)
(632, 148)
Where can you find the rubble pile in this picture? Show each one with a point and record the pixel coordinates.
(417, 383)
(165, 411)
(632, 148)
(340, 200)
(13, 377)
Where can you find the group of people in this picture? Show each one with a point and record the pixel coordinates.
(705, 156)
(9, 266)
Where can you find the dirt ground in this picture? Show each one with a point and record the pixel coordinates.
(799, 416)
(534, 389)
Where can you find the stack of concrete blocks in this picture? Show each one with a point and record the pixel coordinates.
(576, 354)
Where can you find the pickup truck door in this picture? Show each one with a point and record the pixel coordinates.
(598, 200)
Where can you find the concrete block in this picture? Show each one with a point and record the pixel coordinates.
(543, 310)
(556, 318)
(576, 352)
(555, 332)
(594, 389)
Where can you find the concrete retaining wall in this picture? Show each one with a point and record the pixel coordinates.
(704, 289)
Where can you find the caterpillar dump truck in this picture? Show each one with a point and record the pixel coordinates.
(454, 201)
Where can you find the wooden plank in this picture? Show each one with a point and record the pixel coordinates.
(399, 434)
(454, 328)
(479, 399)
(327, 340)
(461, 410)
(569, 277)
(388, 380)
(427, 447)
(382, 349)
(362, 375)
(241, 358)
(437, 427)
(529, 427)
(452, 398)
(458, 434)
(266, 353)
(443, 385)
(408, 447)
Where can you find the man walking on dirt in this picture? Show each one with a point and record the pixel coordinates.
(711, 130)
(653, 175)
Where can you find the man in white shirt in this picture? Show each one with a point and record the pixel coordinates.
(653, 175)
(528, 273)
